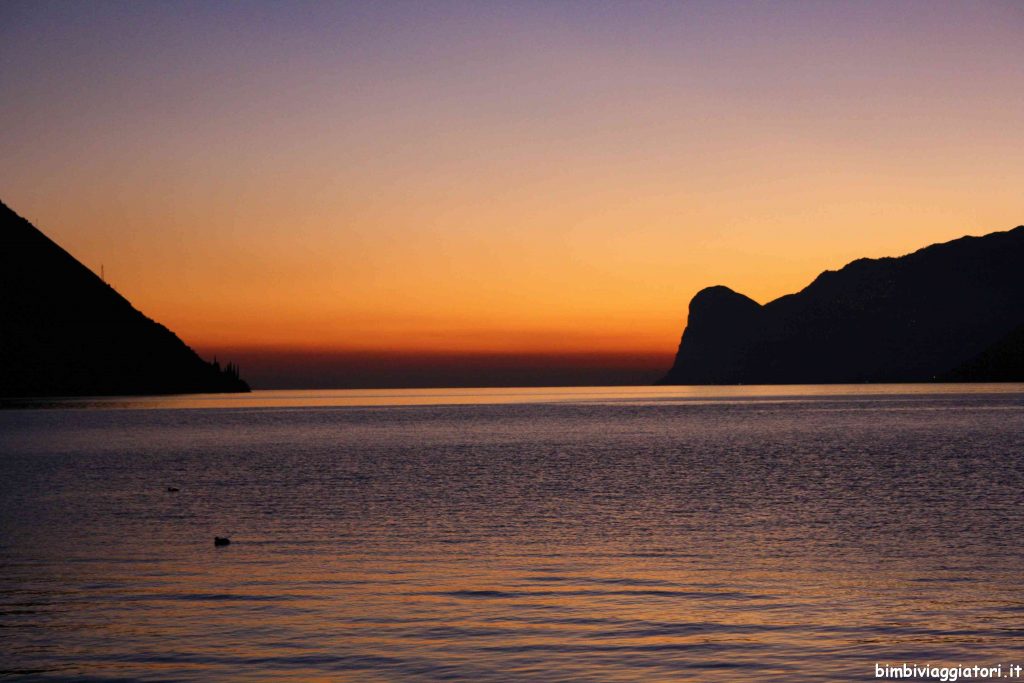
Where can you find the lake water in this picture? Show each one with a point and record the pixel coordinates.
(609, 534)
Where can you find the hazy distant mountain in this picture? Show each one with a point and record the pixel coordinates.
(952, 311)
(65, 332)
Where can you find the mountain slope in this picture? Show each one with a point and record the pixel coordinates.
(948, 311)
(63, 331)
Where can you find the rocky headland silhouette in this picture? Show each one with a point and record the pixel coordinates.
(948, 312)
(66, 332)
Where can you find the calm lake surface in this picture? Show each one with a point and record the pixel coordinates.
(599, 534)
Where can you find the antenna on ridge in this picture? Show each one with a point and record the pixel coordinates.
(103, 275)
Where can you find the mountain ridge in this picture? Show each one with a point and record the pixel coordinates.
(923, 316)
(66, 332)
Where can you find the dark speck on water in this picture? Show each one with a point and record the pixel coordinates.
(593, 534)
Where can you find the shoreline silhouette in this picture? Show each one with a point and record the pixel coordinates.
(66, 332)
(948, 312)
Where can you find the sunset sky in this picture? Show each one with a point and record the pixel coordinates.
(313, 188)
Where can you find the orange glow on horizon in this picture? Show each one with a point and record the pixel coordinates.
(516, 180)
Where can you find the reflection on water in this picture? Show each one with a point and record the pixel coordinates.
(339, 398)
(731, 533)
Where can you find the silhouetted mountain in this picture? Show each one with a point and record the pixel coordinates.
(1001, 362)
(65, 332)
(952, 311)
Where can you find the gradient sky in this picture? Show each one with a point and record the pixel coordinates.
(529, 179)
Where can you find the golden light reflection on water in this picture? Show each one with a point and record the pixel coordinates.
(304, 398)
(583, 613)
(606, 534)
